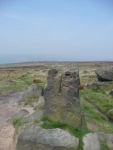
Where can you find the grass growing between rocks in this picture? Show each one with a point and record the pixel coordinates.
(50, 124)
(95, 104)
(101, 100)
(104, 146)
(16, 122)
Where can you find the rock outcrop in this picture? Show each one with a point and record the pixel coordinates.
(62, 97)
(32, 117)
(20, 114)
(94, 141)
(34, 91)
(41, 103)
(105, 73)
(37, 138)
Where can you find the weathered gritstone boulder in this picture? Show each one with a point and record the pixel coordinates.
(34, 91)
(70, 103)
(105, 73)
(20, 114)
(37, 138)
(32, 117)
(62, 97)
(52, 95)
(41, 102)
(91, 142)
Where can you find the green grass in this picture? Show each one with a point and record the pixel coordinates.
(104, 146)
(105, 126)
(50, 124)
(91, 111)
(15, 83)
(17, 122)
(101, 100)
(18, 84)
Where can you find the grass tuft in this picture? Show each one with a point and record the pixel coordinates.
(17, 122)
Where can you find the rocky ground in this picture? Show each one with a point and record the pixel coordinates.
(8, 108)
(16, 78)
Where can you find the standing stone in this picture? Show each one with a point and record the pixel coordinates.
(70, 108)
(52, 95)
(62, 97)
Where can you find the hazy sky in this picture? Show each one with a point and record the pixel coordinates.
(75, 30)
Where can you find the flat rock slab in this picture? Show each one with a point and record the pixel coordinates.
(32, 117)
(91, 142)
(20, 114)
(35, 137)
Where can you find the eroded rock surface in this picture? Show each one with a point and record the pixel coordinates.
(34, 91)
(41, 103)
(35, 137)
(62, 97)
(91, 141)
(32, 117)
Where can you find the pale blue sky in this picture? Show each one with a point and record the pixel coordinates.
(72, 30)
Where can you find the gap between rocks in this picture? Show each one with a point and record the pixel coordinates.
(98, 109)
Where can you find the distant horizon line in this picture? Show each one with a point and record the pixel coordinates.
(42, 61)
